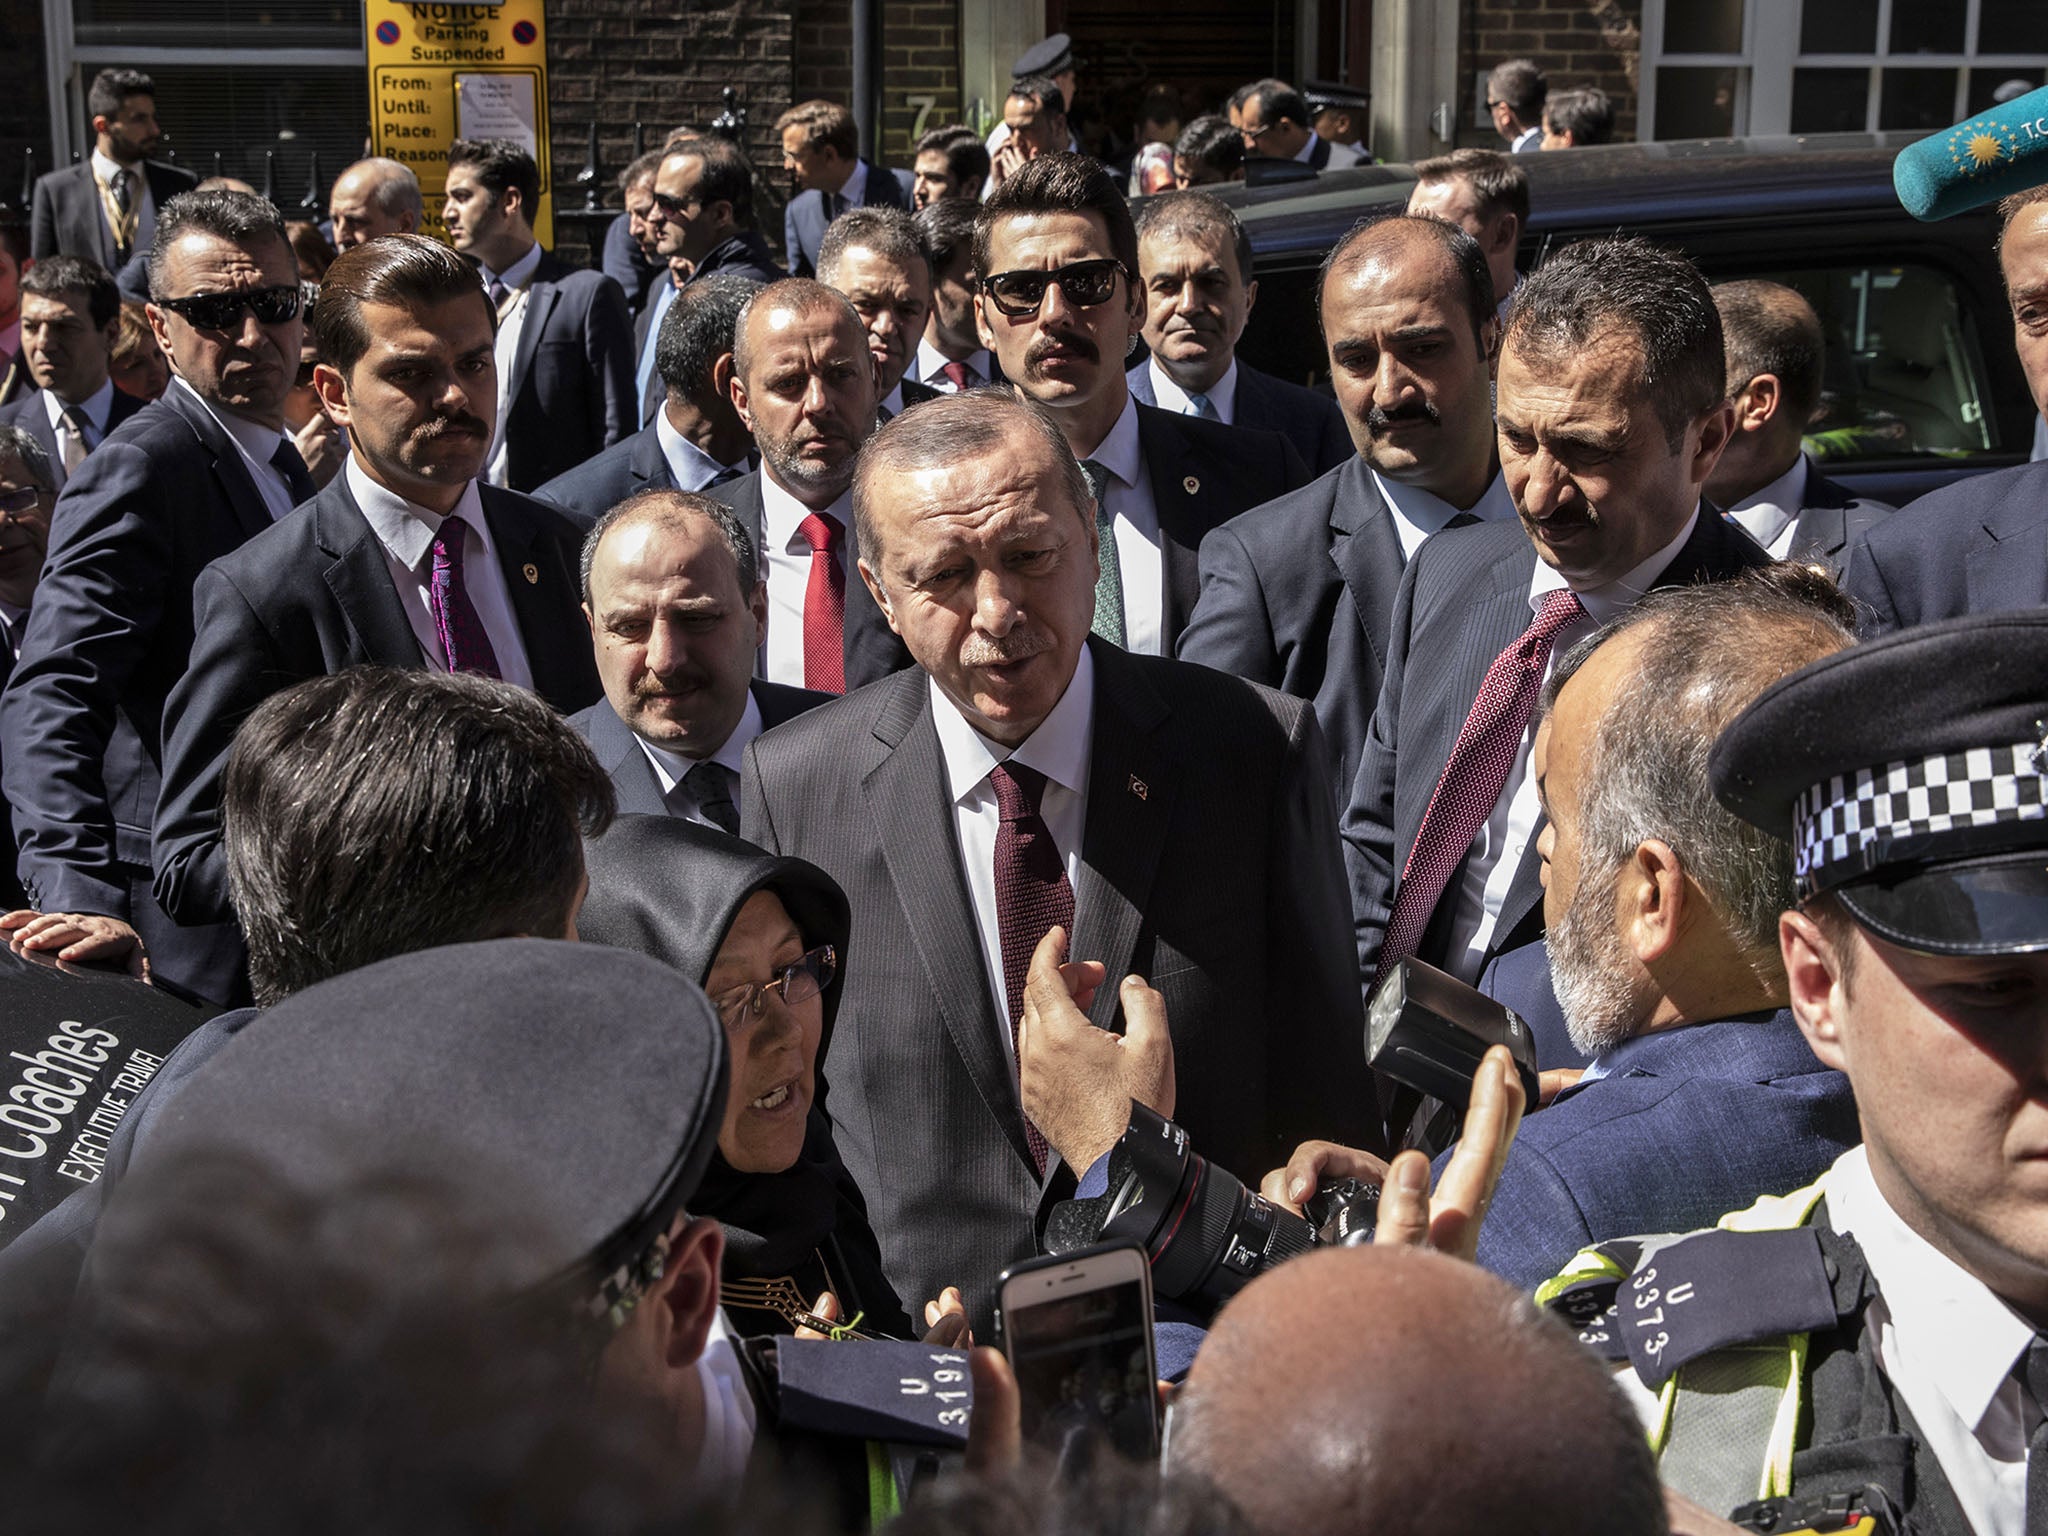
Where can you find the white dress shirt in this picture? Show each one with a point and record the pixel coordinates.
(786, 562)
(511, 321)
(930, 367)
(1171, 397)
(1498, 850)
(1771, 516)
(256, 445)
(729, 1426)
(1341, 155)
(1136, 525)
(691, 467)
(671, 768)
(1418, 513)
(407, 533)
(1058, 749)
(13, 624)
(104, 169)
(96, 406)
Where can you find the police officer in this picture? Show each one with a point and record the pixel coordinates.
(1873, 1341)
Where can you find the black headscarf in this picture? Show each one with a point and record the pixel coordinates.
(670, 888)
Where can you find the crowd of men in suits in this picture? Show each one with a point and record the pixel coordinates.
(895, 562)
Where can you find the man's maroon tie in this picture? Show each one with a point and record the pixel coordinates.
(825, 604)
(464, 644)
(1032, 895)
(956, 374)
(1474, 776)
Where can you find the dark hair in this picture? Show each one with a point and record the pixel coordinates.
(502, 166)
(696, 332)
(1177, 215)
(728, 175)
(1498, 184)
(1770, 328)
(310, 246)
(966, 156)
(1586, 114)
(1278, 99)
(1060, 183)
(640, 169)
(826, 125)
(237, 217)
(888, 232)
(380, 811)
(59, 274)
(1459, 248)
(670, 506)
(409, 271)
(1161, 104)
(947, 230)
(21, 444)
(1211, 142)
(1523, 86)
(1041, 89)
(1656, 296)
(112, 87)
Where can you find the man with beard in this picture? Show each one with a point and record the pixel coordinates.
(804, 383)
(1662, 910)
(404, 560)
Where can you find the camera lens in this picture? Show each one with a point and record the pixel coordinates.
(1224, 1235)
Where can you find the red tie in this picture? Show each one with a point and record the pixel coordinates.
(1032, 895)
(825, 604)
(956, 373)
(1474, 777)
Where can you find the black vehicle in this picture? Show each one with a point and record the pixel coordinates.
(1922, 382)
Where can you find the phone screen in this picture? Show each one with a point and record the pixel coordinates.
(1084, 1369)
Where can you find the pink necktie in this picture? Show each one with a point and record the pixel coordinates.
(464, 644)
(956, 374)
(1032, 895)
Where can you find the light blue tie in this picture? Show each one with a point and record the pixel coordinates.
(1203, 408)
(664, 295)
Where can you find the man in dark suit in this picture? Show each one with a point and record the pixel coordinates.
(106, 206)
(875, 258)
(1765, 480)
(1299, 593)
(627, 256)
(15, 381)
(1165, 480)
(1025, 776)
(697, 439)
(406, 559)
(1663, 918)
(1194, 265)
(179, 484)
(677, 609)
(950, 355)
(70, 319)
(565, 342)
(821, 152)
(1611, 417)
(28, 492)
(1276, 124)
(703, 223)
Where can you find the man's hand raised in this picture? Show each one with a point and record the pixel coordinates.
(1410, 1216)
(1078, 1081)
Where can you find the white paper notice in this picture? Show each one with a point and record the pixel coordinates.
(497, 107)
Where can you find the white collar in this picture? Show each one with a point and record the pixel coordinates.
(1524, 137)
(1120, 452)
(105, 167)
(729, 1426)
(519, 274)
(729, 753)
(1946, 1321)
(1771, 509)
(96, 405)
(1606, 603)
(1058, 748)
(782, 514)
(856, 184)
(1171, 397)
(1431, 513)
(405, 528)
(931, 362)
(259, 443)
(692, 467)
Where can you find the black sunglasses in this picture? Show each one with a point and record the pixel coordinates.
(676, 206)
(1085, 283)
(219, 311)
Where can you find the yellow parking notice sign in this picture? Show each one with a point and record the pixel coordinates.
(449, 71)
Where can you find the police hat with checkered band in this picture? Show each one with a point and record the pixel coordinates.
(1910, 775)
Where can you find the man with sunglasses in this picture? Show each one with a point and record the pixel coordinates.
(182, 482)
(1059, 308)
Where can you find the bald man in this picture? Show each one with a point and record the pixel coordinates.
(1460, 1408)
(373, 197)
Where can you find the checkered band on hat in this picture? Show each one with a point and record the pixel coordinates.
(1834, 822)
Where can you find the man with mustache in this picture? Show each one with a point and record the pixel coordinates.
(1060, 307)
(1611, 415)
(406, 559)
(677, 609)
(1298, 594)
(1025, 775)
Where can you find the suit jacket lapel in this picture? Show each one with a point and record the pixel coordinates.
(558, 657)
(649, 465)
(1176, 501)
(360, 579)
(2005, 571)
(906, 794)
(243, 499)
(632, 775)
(541, 295)
(1366, 549)
(1132, 784)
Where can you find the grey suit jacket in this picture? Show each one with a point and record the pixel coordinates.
(1307, 419)
(1463, 600)
(66, 214)
(633, 776)
(1978, 545)
(1208, 865)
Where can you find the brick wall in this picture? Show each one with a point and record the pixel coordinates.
(24, 98)
(1577, 42)
(920, 57)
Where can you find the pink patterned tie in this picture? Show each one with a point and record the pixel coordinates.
(1474, 776)
(956, 374)
(1032, 895)
(464, 644)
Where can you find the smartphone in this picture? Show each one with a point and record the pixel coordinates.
(1078, 1331)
